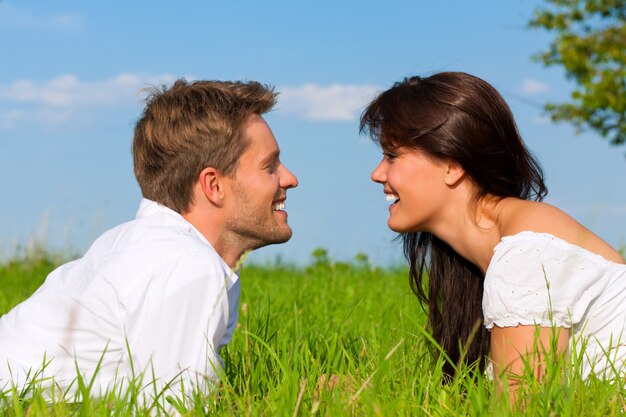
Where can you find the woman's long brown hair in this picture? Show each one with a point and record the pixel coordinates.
(454, 115)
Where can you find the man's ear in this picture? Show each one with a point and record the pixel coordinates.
(454, 173)
(211, 182)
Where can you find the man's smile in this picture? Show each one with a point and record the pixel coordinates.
(278, 206)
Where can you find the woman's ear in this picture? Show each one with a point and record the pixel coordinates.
(454, 173)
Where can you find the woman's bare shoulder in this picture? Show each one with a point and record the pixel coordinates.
(520, 215)
(517, 216)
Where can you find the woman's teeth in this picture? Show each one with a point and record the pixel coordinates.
(391, 197)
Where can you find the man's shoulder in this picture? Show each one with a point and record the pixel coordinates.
(143, 252)
(149, 241)
(157, 231)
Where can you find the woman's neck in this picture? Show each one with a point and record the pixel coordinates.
(474, 232)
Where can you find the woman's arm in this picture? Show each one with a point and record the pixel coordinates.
(513, 347)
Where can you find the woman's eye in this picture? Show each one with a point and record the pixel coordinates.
(388, 155)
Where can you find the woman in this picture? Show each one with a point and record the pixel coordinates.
(504, 271)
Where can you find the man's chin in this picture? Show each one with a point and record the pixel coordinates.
(284, 237)
(276, 239)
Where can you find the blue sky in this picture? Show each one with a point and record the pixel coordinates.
(71, 74)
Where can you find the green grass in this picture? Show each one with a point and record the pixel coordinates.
(330, 339)
(21, 275)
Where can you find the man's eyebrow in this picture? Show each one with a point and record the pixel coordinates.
(271, 158)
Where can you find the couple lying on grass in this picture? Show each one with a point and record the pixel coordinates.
(508, 281)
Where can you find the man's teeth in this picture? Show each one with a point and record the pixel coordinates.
(391, 197)
(279, 206)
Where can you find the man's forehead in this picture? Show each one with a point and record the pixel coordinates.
(254, 119)
(260, 139)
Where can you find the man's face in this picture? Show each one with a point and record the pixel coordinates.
(259, 189)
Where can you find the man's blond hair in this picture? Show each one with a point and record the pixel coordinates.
(191, 126)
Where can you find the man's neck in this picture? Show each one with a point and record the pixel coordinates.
(216, 234)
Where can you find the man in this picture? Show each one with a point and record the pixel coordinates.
(159, 295)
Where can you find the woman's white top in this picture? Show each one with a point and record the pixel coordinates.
(536, 278)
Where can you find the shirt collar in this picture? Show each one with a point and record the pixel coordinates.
(150, 208)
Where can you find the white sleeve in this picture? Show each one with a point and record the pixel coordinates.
(536, 283)
(181, 320)
(233, 302)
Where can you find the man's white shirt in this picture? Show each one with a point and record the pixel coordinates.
(153, 287)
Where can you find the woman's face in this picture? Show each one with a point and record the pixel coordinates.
(415, 185)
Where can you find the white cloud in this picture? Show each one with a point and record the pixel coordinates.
(42, 116)
(66, 99)
(19, 18)
(336, 102)
(67, 90)
(531, 87)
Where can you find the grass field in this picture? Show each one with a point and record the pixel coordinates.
(328, 339)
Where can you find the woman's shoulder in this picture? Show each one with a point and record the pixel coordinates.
(544, 220)
(519, 215)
